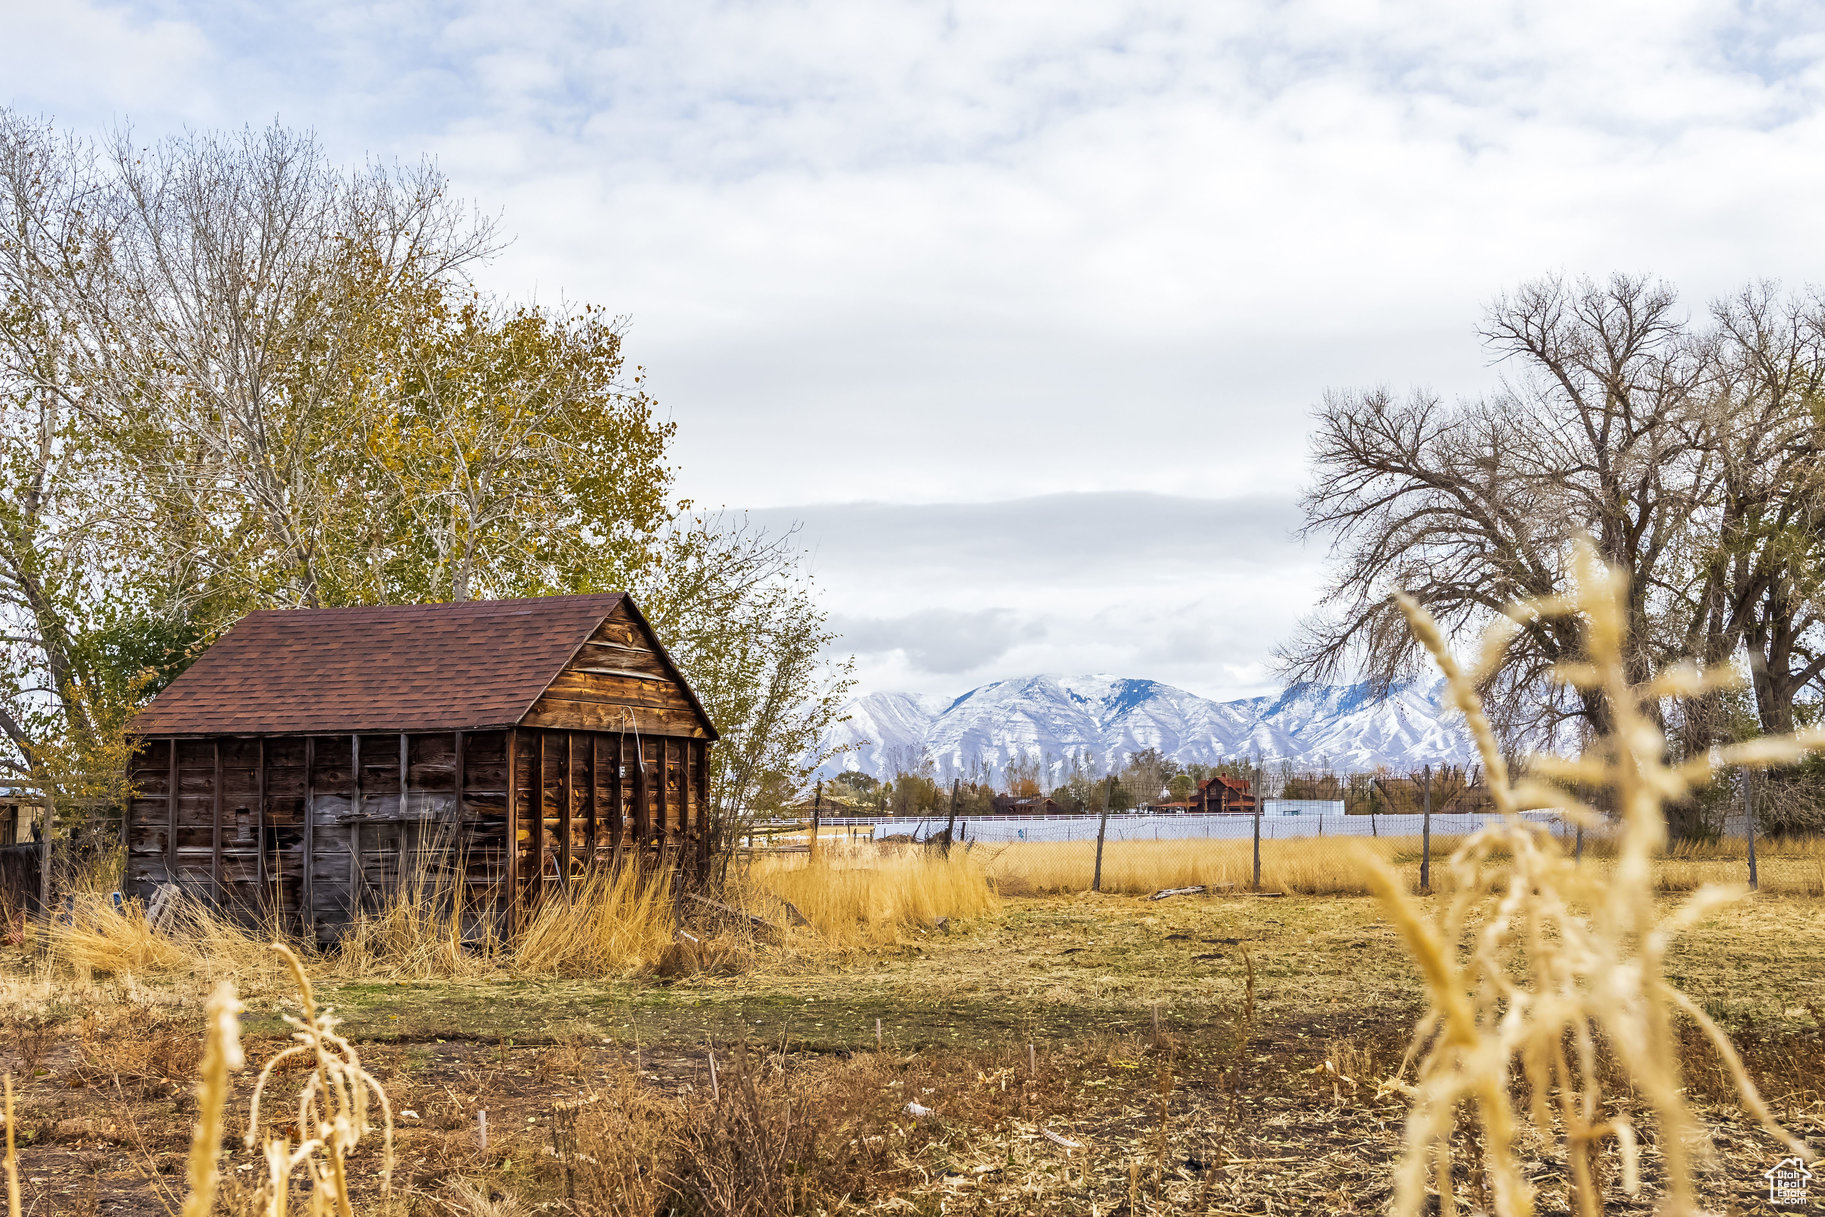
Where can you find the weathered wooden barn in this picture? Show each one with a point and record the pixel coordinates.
(311, 759)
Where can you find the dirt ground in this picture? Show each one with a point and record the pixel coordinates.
(1093, 1055)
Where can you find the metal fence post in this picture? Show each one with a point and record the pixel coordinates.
(1425, 836)
(1102, 828)
(1749, 823)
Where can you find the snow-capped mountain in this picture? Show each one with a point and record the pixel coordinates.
(1338, 727)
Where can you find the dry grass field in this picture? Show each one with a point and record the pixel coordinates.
(1334, 866)
(1083, 1054)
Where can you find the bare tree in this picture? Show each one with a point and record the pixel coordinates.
(1759, 545)
(224, 347)
(1472, 507)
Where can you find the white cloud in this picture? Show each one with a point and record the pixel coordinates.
(88, 62)
(929, 253)
(933, 598)
(941, 642)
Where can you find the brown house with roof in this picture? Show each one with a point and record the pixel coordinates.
(1223, 794)
(312, 758)
(1024, 805)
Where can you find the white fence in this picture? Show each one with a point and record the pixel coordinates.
(1141, 827)
(1301, 807)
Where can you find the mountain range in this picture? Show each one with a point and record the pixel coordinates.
(1338, 727)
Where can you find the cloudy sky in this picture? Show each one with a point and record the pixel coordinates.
(1019, 309)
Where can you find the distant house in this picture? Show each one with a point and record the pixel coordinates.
(1223, 795)
(1032, 805)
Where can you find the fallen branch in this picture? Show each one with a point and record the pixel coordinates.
(1196, 890)
(735, 914)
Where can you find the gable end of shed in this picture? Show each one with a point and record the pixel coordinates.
(621, 679)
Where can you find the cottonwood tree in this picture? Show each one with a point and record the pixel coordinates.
(1759, 549)
(1688, 451)
(237, 376)
(1472, 507)
(61, 703)
(510, 448)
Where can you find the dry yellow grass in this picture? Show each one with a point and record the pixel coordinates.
(417, 933)
(864, 894)
(616, 922)
(1319, 867)
(1334, 866)
(103, 940)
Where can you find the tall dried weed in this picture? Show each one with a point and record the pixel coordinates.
(615, 921)
(1535, 962)
(870, 894)
(104, 939)
(332, 1114)
(425, 926)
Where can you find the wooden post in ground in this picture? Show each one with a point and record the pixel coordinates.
(1425, 836)
(817, 817)
(1102, 829)
(950, 827)
(1749, 824)
(47, 810)
(1257, 785)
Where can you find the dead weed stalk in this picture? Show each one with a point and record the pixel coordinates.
(332, 1114)
(1528, 953)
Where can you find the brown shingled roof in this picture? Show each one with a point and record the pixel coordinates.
(413, 667)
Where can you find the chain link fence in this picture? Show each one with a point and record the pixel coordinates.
(1309, 846)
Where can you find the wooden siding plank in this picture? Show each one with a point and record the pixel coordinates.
(458, 782)
(617, 687)
(637, 817)
(664, 819)
(643, 812)
(701, 775)
(215, 822)
(259, 828)
(567, 819)
(595, 749)
(513, 829)
(537, 851)
(171, 811)
(307, 885)
(563, 713)
(617, 799)
(354, 834)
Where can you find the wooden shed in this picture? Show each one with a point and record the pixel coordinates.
(312, 758)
